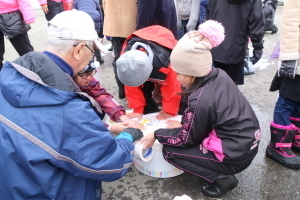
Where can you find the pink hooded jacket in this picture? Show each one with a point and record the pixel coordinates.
(24, 6)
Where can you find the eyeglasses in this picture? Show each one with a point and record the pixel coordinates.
(86, 75)
(93, 52)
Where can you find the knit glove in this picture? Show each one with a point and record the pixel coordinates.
(287, 69)
(135, 133)
(257, 51)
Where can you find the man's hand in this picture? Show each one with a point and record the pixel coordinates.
(148, 140)
(288, 69)
(45, 8)
(136, 134)
(117, 128)
(163, 115)
(135, 115)
(173, 124)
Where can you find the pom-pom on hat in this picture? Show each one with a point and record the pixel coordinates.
(191, 56)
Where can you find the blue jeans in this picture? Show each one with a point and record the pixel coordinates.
(183, 30)
(284, 109)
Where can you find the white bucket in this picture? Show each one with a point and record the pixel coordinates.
(156, 166)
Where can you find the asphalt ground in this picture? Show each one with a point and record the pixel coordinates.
(263, 179)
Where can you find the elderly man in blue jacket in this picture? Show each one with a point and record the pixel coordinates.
(53, 144)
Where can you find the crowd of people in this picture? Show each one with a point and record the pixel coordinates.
(172, 57)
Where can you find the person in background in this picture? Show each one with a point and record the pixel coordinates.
(219, 133)
(106, 101)
(242, 19)
(15, 17)
(52, 137)
(54, 7)
(119, 23)
(269, 14)
(285, 127)
(92, 7)
(187, 15)
(146, 58)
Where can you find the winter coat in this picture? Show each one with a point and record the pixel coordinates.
(219, 119)
(120, 17)
(23, 5)
(289, 50)
(157, 12)
(203, 14)
(53, 144)
(240, 21)
(106, 101)
(91, 7)
(14, 16)
(170, 86)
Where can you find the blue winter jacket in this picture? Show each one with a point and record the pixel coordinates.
(91, 7)
(53, 145)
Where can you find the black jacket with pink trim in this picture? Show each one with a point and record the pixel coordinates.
(220, 106)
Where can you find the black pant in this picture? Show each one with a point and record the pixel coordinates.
(203, 165)
(21, 44)
(117, 43)
(54, 9)
(151, 106)
(234, 71)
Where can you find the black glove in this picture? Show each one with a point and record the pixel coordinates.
(258, 45)
(288, 69)
(135, 133)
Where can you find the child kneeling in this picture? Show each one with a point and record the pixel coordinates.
(219, 133)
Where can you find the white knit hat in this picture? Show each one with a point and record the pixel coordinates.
(191, 56)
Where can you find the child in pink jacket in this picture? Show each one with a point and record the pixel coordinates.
(15, 17)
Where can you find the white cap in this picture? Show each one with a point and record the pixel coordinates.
(76, 25)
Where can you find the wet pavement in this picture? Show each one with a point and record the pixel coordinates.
(264, 179)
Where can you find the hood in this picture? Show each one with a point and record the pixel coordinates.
(237, 1)
(24, 88)
(155, 33)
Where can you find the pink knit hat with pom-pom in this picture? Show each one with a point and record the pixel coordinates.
(191, 56)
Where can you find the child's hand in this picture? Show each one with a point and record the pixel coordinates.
(148, 140)
(163, 115)
(173, 124)
(116, 128)
(135, 115)
(133, 124)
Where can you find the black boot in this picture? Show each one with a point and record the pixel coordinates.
(272, 27)
(296, 140)
(220, 186)
(280, 145)
(111, 48)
